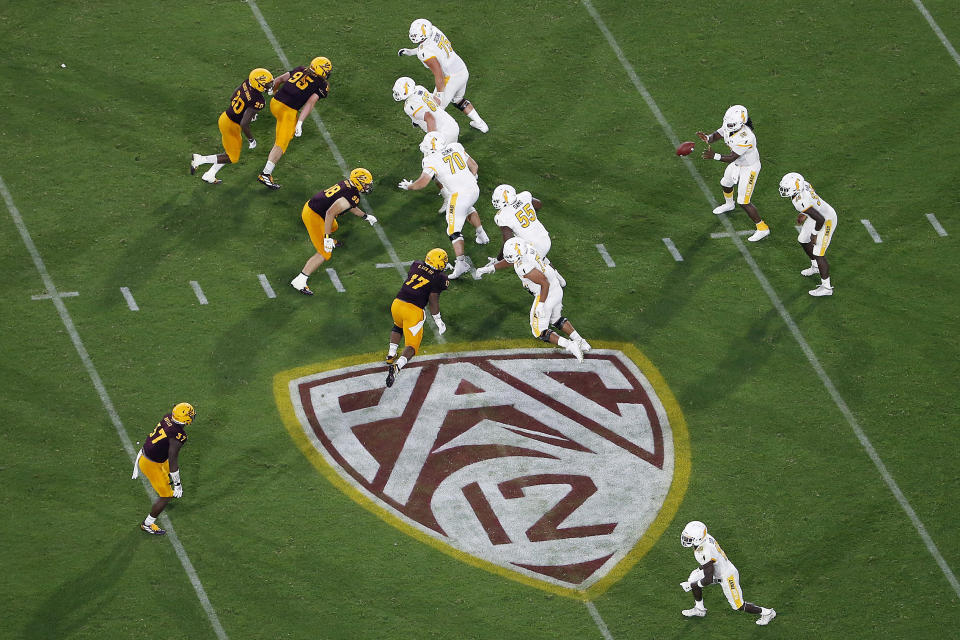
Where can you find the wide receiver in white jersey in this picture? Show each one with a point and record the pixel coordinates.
(546, 285)
(715, 568)
(456, 172)
(450, 74)
(423, 110)
(818, 221)
(743, 164)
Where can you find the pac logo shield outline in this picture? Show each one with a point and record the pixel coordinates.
(506, 476)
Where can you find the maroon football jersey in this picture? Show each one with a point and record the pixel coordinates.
(422, 280)
(244, 97)
(157, 445)
(302, 84)
(343, 189)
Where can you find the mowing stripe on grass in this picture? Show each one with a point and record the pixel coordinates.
(336, 154)
(784, 314)
(131, 303)
(266, 286)
(107, 403)
(672, 248)
(606, 256)
(936, 225)
(936, 30)
(873, 232)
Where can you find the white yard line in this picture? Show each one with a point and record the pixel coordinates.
(337, 155)
(873, 232)
(936, 225)
(592, 608)
(724, 234)
(62, 294)
(266, 286)
(784, 314)
(67, 321)
(936, 30)
(335, 279)
(672, 248)
(606, 256)
(198, 292)
(131, 303)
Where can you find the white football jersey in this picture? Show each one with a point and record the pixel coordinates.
(530, 260)
(743, 143)
(521, 218)
(420, 103)
(449, 166)
(710, 550)
(807, 198)
(439, 47)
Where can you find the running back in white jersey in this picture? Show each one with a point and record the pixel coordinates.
(710, 550)
(521, 218)
(742, 142)
(439, 47)
(449, 166)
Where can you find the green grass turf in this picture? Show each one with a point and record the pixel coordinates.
(859, 97)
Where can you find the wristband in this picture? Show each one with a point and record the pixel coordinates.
(716, 156)
(436, 318)
(366, 215)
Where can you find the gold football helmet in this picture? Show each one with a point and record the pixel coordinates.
(184, 413)
(437, 258)
(321, 66)
(260, 79)
(362, 179)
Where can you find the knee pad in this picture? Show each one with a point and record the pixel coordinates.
(396, 329)
(455, 236)
(545, 335)
(727, 190)
(562, 320)
(462, 105)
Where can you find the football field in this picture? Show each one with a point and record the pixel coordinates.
(499, 489)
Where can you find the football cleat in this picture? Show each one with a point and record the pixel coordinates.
(152, 529)
(390, 359)
(758, 235)
(305, 291)
(810, 271)
(194, 163)
(213, 180)
(821, 291)
(482, 237)
(584, 345)
(482, 126)
(574, 347)
(765, 619)
(461, 267)
(267, 179)
(726, 206)
(392, 374)
(695, 612)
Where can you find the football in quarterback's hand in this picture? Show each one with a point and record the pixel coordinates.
(685, 149)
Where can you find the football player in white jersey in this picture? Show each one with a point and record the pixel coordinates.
(456, 172)
(715, 568)
(450, 74)
(743, 164)
(818, 221)
(423, 110)
(546, 285)
(517, 218)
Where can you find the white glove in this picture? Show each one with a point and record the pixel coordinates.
(299, 130)
(406, 52)
(370, 218)
(270, 90)
(328, 244)
(686, 586)
(441, 327)
(405, 184)
(177, 487)
(252, 143)
(254, 118)
(487, 268)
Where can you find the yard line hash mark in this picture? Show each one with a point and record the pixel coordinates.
(62, 294)
(936, 225)
(727, 234)
(131, 303)
(784, 314)
(198, 292)
(97, 382)
(266, 286)
(606, 256)
(393, 265)
(335, 279)
(672, 248)
(873, 232)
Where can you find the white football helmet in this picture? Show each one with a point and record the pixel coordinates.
(791, 184)
(735, 117)
(420, 30)
(402, 88)
(503, 195)
(693, 534)
(514, 248)
(432, 141)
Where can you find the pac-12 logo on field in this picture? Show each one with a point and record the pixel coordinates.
(522, 461)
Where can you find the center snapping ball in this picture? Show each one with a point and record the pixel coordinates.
(686, 148)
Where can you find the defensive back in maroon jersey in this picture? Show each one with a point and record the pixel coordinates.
(157, 445)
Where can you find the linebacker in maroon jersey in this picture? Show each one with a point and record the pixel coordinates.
(423, 286)
(293, 102)
(158, 461)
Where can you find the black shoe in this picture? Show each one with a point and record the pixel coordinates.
(267, 179)
(392, 374)
(305, 291)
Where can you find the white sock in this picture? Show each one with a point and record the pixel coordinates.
(269, 167)
(392, 350)
(401, 362)
(563, 342)
(149, 520)
(576, 336)
(699, 604)
(212, 171)
(300, 281)
(727, 197)
(826, 283)
(208, 159)
(473, 115)
(813, 263)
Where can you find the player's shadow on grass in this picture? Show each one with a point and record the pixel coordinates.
(77, 602)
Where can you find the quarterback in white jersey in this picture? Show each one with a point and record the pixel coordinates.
(450, 74)
(546, 284)
(456, 172)
(423, 110)
(743, 165)
(715, 568)
(818, 221)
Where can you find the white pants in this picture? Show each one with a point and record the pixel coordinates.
(543, 314)
(456, 87)
(731, 589)
(459, 205)
(825, 235)
(744, 177)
